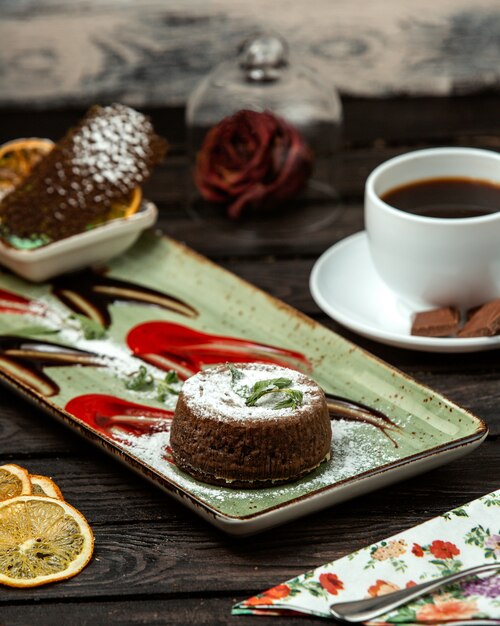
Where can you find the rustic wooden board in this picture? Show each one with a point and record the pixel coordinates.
(143, 535)
(175, 558)
(155, 51)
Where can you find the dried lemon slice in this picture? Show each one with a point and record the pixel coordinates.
(14, 481)
(42, 540)
(45, 486)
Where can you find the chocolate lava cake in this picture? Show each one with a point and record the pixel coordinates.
(250, 425)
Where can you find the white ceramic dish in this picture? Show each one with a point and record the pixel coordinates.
(346, 286)
(72, 253)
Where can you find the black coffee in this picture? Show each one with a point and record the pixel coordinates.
(449, 198)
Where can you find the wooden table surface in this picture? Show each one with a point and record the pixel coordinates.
(155, 561)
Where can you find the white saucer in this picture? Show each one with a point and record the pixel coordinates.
(346, 286)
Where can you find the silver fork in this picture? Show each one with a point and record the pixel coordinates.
(364, 610)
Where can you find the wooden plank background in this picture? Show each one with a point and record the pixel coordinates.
(153, 52)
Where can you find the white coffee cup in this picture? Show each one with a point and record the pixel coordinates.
(434, 261)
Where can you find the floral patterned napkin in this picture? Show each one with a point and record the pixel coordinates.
(461, 538)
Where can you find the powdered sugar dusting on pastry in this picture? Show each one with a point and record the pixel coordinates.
(213, 392)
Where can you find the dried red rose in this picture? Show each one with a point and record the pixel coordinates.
(251, 160)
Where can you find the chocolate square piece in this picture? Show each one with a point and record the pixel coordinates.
(441, 322)
(484, 321)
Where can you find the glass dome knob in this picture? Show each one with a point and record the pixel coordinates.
(263, 56)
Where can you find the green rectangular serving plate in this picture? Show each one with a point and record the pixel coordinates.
(430, 430)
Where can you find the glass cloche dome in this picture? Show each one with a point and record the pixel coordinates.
(264, 139)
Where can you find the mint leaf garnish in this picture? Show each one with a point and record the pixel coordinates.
(281, 386)
(90, 328)
(263, 387)
(236, 374)
(293, 397)
(292, 401)
(171, 377)
(141, 380)
(164, 387)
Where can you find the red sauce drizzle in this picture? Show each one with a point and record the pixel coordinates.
(111, 416)
(173, 346)
(14, 303)
(104, 412)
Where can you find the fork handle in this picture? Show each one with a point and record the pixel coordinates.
(364, 610)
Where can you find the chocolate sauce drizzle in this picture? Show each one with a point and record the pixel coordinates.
(24, 360)
(352, 411)
(90, 293)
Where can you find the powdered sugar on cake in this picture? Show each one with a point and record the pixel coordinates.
(354, 451)
(213, 392)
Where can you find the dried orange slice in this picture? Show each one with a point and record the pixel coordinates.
(42, 540)
(45, 486)
(14, 481)
(17, 157)
(135, 202)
